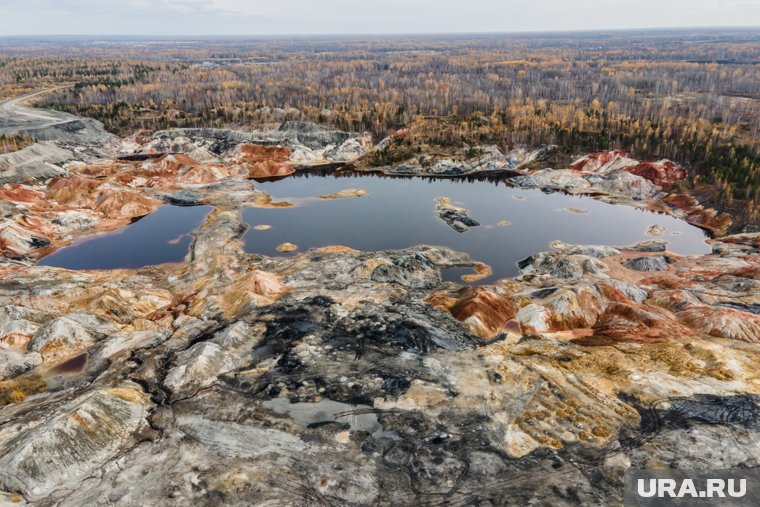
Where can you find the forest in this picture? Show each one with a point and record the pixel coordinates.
(693, 97)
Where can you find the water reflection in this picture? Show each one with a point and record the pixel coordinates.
(159, 237)
(399, 212)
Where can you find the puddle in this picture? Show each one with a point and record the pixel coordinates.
(399, 213)
(73, 365)
(157, 238)
(456, 274)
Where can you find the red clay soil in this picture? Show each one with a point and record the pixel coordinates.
(663, 174)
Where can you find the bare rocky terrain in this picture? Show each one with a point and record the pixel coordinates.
(340, 377)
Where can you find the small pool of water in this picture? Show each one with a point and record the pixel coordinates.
(73, 365)
(157, 238)
(400, 212)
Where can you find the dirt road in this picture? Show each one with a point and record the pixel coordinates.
(16, 118)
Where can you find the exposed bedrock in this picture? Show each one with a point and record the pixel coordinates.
(36, 162)
(649, 263)
(61, 138)
(487, 159)
(73, 442)
(308, 143)
(611, 176)
(456, 217)
(595, 294)
(331, 373)
(614, 177)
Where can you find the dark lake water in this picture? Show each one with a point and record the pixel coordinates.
(400, 212)
(157, 238)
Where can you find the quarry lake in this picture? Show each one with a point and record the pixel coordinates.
(396, 213)
(400, 212)
(157, 238)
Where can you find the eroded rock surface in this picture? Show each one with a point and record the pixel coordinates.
(307, 143)
(325, 376)
(481, 388)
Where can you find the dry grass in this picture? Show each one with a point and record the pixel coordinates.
(16, 390)
(9, 144)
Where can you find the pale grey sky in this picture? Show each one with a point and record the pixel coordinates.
(253, 17)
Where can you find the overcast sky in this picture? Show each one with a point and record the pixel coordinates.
(253, 17)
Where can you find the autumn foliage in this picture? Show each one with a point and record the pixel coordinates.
(690, 96)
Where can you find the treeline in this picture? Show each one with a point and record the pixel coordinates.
(692, 97)
(21, 75)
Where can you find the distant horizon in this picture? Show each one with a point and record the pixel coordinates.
(380, 34)
(182, 18)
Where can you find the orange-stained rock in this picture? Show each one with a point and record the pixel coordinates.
(687, 207)
(268, 169)
(627, 322)
(74, 190)
(258, 287)
(612, 293)
(142, 136)
(71, 196)
(168, 170)
(752, 240)
(24, 235)
(21, 194)
(336, 249)
(264, 200)
(257, 153)
(265, 161)
(286, 247)
(484, 311)
(124, 305)
(722, 322)
(662, 173)
(174, 162)
(719, 321)
(106, 169)
(574, 309)
(345, 193)
(75, 181)
(124, 204)
(482, 270)
(17, 340)
(202, 173)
